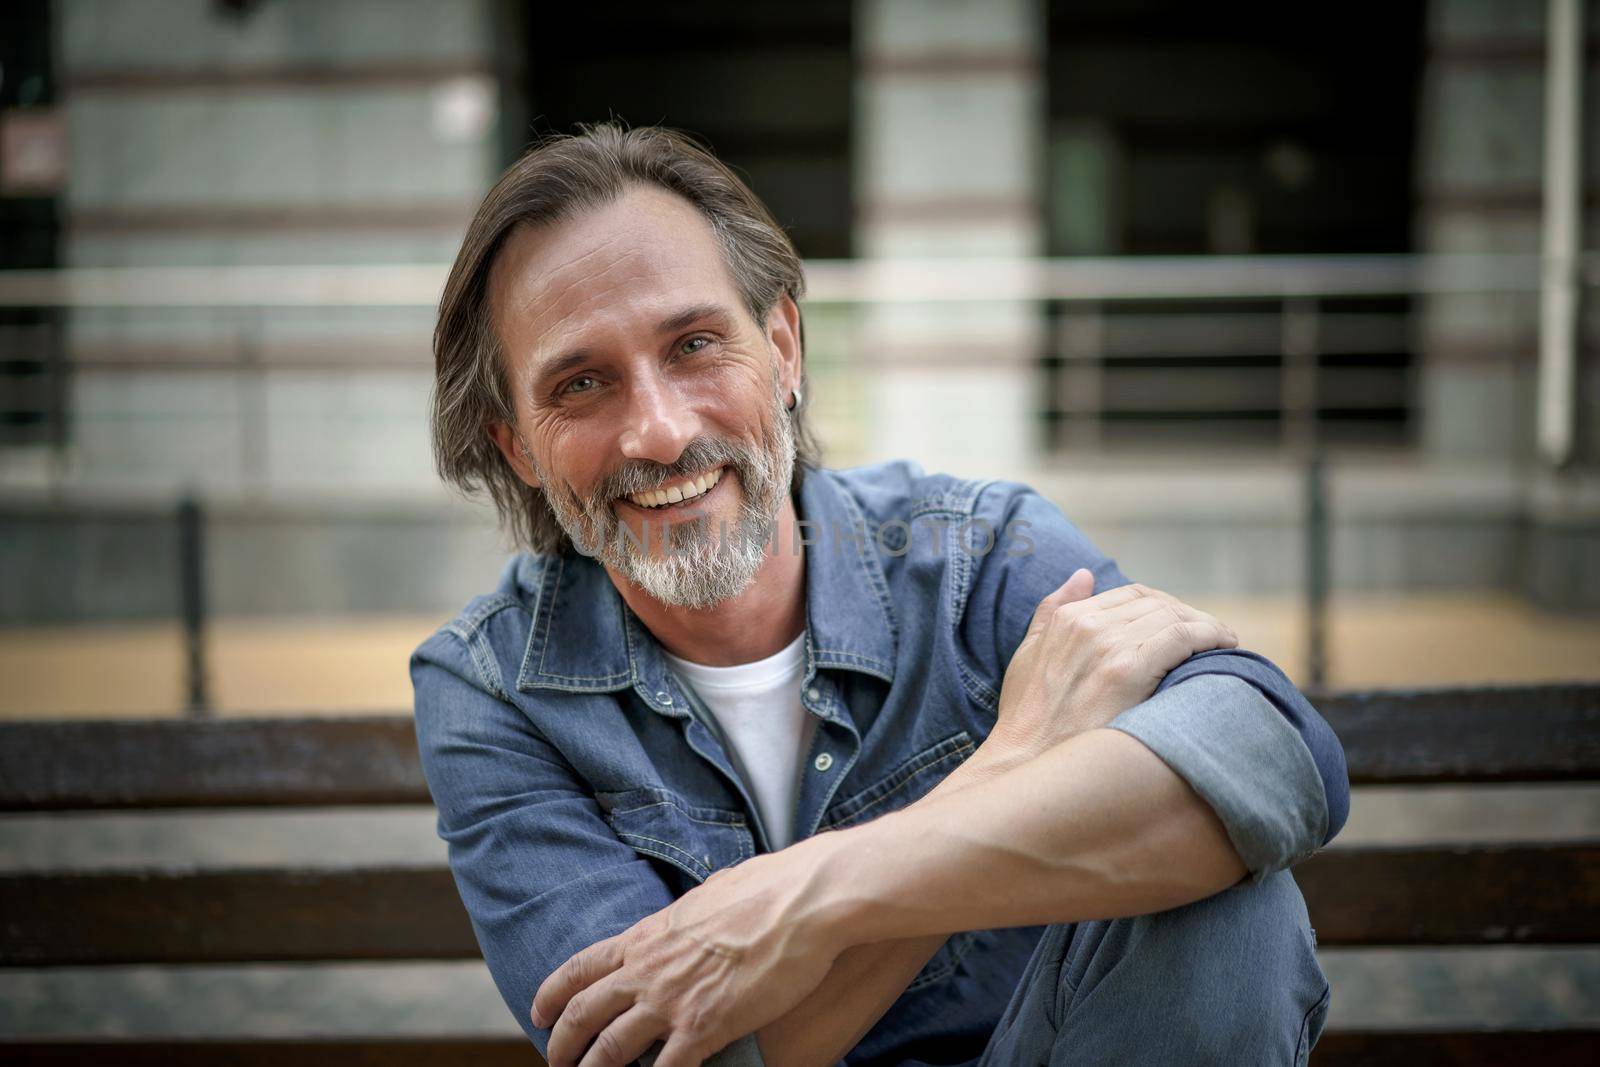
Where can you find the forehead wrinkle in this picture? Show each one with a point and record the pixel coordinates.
(547, 288)
(602, 312)
(596, 311)
(658, 258)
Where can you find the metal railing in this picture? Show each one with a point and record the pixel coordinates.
(1279, 341)
(1275, 318)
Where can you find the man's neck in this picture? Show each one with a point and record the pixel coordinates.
(768, 615)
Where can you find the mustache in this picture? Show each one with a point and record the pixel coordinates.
(639, 475)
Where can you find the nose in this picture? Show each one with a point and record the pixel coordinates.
(658, 424)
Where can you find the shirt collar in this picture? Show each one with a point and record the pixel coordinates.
(586, 639)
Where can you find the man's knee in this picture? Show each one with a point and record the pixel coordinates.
(1232, 978)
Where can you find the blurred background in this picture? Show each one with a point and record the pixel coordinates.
(1258, 300)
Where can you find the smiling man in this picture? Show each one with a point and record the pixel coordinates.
(746, 760)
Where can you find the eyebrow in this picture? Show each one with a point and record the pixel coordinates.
(691, 315)
(678, 320)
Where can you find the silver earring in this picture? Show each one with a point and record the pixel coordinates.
(796, 405)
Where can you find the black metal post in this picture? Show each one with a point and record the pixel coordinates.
(192, 601)
(1316, 565)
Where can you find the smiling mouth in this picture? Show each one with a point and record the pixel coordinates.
(678, 492)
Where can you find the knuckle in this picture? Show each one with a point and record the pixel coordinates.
(701, 1021)
(1121, 665)
(609, 1047)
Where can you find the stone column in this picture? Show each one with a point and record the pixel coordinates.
(950, 133)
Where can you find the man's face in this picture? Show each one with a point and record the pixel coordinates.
(639, 377)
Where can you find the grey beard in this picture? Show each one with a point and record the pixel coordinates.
(699, 565)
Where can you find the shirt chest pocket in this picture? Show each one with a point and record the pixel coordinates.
(694, 840)
(909, 781)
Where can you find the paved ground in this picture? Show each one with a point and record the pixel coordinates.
(357, 664)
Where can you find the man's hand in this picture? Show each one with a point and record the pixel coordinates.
(721, 961)
(1086, 659)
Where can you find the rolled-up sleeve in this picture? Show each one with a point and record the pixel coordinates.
(541, 873)
(1227, 721)
(1227, 741)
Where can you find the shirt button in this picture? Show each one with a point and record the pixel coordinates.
(665, 699)
(813, 693)
(823, 761)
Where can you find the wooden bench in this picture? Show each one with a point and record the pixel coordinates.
(1532, 894)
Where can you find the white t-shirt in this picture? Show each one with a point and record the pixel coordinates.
(758, 707)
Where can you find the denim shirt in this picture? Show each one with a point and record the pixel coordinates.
(579, 790)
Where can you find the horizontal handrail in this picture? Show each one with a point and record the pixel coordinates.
(857, 281)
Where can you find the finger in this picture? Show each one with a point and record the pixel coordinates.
(1104, 612)
(1078, 586)
(628, 1037)
(1111, 598)
(589, 1013)
(1175, 610)
(1119, 616)
(679, 1052)
(1175, 642)
(581, 969)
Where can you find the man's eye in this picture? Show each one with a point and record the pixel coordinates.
(581, 384)
(694, 344)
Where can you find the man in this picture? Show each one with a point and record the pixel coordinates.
(750, 761)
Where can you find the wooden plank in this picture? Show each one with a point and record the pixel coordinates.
(107, 764)
(1486, 895)
(232, 916)
(1391, 896)
(273, 1052)
(1497, 734)
(1427, 1048)
(1548, 1048)
(1538, 733)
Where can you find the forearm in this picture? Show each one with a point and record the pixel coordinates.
(1096, 827)
(866, 979)
(1223, 737)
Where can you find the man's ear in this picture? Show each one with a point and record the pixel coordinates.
(783, 327)
(505, 439)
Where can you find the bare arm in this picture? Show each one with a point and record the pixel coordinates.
(1097, 827)
(865, 980)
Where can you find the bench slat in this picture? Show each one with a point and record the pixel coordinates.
(1499, 734)
(1462, 895)
(274, 1052)
(1426, 1048)
(1548, 1048)
(1535, 733)
(233, 916)
(1387, 896)
(61, 766)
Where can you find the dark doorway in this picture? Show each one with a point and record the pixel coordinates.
(1185, 129)
(766, 84)
(1236, 128)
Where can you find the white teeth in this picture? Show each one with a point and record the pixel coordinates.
(688, 490)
